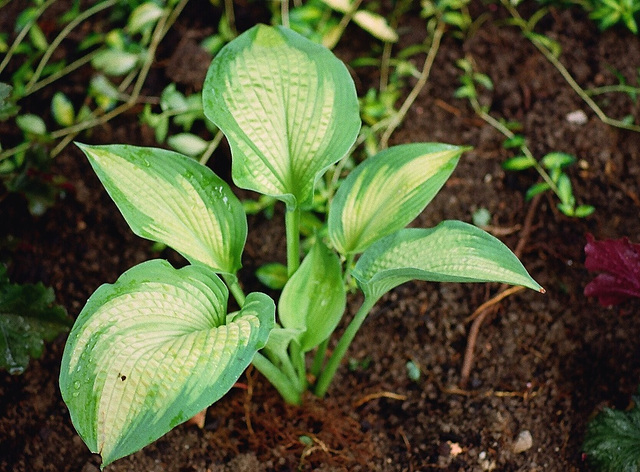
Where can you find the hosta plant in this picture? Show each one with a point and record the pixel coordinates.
(153, 349)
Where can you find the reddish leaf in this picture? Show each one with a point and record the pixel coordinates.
(619, 260)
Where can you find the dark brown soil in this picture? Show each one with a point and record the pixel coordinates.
(544, 363)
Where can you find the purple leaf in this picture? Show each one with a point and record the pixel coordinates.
(619, 260)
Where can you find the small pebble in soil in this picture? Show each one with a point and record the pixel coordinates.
(577, 117)
(523, 442)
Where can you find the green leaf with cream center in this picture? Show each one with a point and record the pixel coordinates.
(387, 191)
(154, 349)
(288, 107)
(170, 198)
(453, 251)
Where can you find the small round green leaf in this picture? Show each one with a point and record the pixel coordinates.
(582, 211)
(453, 251)
(114, 62)
(32, 124)
(152, 350)
(536, 189)
(288, 108)
(376, 25)
(62, 109)
(172, 199)
(519, 163)
(188, 144)
(557, 160)
(143, 16)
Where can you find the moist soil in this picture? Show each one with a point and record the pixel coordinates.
(543, 364)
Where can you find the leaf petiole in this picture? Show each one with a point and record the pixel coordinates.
(341, 349)
(234, 288)
(278, 379)
(292, 223)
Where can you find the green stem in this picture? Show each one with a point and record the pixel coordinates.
(292, 224)
(331, 368)
(422, 81)
(548, 54)
(509, 134)
(23, 33)
(348, 267)
(231, 16)
(318, 359)
(234, 288)
(299, 362)
(160, 31)
(284, 12)
(62, 72)
(283, 363)
(339, 30)
(278, 379)
(63, 34)
(211, 147)
(620, 88)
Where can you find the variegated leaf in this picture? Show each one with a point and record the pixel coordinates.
(169, 198)
(387, 191)
(288, 107)
(453, 251)
(152, 350)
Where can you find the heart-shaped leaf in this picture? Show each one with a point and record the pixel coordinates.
(154, 349)
(453, 251)
(167, 197)
(288, 107)
(314, 298)
(387, 191)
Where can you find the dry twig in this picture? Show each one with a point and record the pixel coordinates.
(374, 396)
(487, 308)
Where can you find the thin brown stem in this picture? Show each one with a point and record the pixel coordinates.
(424, 77)
(489, 307)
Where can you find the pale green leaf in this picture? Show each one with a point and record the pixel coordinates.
(30, 123)
(343, 6)
(376, 25)
(519, 163)
(38, 39)
(274, 275)
(557, 160)
(172, 199)
(453, 251)
(565, 192)
(188, 144)
(62, 109)
(536, 189)
(114, 62)
(582, 211)
(143, 16)
(288, 107)
(154, 349)
(387, 191)
(314, 298)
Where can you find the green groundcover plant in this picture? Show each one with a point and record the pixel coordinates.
(159, 345)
